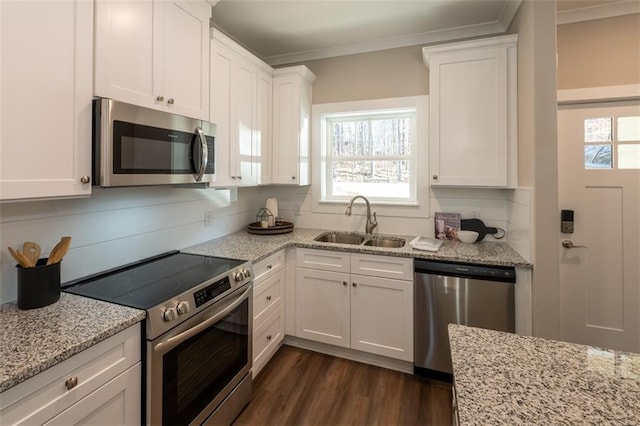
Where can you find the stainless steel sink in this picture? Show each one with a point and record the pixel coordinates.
(385, 242)
(340, 238)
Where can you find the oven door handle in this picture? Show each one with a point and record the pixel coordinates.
(171, 343)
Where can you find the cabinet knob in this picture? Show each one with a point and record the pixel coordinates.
(71, 383)
(354, 284)
(268, 298)
(239, 177)
(170, 101)
(159, 98)
(233, 177)
(435, 177)
(268, 337)
(293, 178)
(85, 179)
(269, 266)
(344, 283)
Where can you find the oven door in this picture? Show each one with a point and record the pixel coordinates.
(192, 368)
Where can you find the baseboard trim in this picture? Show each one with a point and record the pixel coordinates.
(350, 354)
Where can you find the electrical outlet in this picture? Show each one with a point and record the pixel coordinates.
(297, 207)
(208, 218)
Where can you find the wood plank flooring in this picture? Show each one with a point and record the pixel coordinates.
(300, 387)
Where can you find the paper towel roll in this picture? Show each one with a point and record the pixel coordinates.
(272, 205)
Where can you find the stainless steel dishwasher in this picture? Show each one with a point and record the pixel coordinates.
(456, 293)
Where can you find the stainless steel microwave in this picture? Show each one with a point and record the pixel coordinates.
(136, 146)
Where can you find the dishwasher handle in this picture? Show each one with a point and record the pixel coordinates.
(505, 274)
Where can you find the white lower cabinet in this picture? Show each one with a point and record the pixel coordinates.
(356, 308)
(101, 385)
(268, 309)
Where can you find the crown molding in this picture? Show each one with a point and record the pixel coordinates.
(389, 43)
(591, 13)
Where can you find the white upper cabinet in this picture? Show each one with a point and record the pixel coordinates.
(240, 89)
(291, 125)
(45, 99)
(473, 112)
(154, 53)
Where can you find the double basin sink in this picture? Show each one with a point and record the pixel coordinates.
(359, 239)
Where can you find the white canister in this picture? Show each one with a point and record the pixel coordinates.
(272, 205)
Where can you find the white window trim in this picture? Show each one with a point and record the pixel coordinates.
(421, 104)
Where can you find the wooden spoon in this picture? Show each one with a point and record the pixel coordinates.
(59, 250)
(32, 251)
(20, 258)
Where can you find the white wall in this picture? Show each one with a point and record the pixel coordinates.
(120, 225)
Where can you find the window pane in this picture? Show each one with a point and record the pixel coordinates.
(597, 129)
(371, 171)
(376, 137)
(629, 129)
(629, 156)
(597, 156)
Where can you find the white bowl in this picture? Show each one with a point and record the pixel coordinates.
(468, 237)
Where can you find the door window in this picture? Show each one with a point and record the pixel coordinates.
(612, 143)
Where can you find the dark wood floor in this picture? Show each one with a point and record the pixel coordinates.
(300, 387)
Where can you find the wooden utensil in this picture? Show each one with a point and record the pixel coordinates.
(32, 251)
(59, 250)
(20, 258)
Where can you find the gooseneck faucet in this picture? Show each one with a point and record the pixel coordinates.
(371, 224)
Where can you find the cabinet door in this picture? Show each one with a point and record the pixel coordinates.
(221, 72)
(468, 110)
(264, 120)
(233, 109)
(322, 306)
(382, 316)
(243, 120)
(45, 98)
(116, 403)
(126, 51)
(184, 60)
(286, 130)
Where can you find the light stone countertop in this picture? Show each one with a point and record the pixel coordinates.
(503, 378)
(36, 339)
(244, 246)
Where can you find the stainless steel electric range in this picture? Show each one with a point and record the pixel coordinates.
(197, 352)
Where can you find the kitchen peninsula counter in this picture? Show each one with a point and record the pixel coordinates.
(36, 339)
(504, 378)
(245, 246)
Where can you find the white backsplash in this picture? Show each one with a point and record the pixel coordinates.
(121, 225)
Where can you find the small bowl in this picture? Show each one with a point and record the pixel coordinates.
(468, 237)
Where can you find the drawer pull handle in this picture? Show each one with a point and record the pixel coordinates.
(269, 266)
(268, 298)
(71, 383)
(268, 337)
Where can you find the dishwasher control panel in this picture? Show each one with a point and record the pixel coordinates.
(480, 272)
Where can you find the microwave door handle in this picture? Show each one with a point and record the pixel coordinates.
(204, 158)
(171, 343)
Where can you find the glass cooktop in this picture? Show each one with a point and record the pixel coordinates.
(151, 282)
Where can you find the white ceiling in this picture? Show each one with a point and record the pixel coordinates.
(283, 32)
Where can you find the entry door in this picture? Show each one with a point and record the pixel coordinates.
(599, 178)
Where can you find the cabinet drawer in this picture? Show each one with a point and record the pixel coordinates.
(400, 268)
(267, 297)
(43, 396)
(266, 339)
(268, 266)
(325, 260)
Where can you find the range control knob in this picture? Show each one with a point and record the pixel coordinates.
(169, 314)
(183, 308)
(238, 276)
(246, 273)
